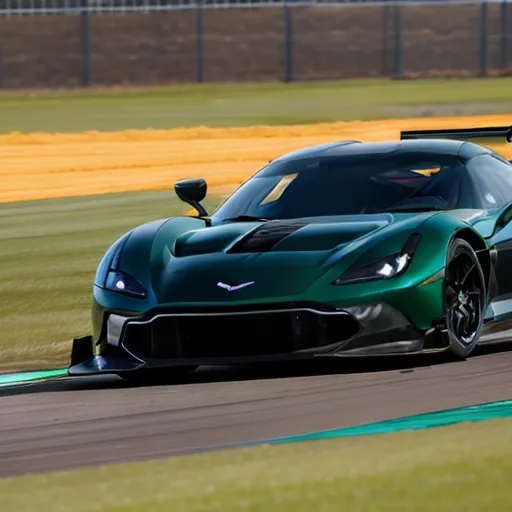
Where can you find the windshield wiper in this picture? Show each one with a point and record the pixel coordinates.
(246, 218)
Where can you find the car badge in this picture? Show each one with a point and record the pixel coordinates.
(233, 288)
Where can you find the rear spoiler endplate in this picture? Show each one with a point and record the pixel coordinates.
(489, 135)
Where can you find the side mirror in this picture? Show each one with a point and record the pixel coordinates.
(192, 192)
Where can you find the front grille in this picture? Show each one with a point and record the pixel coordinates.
(236, 335)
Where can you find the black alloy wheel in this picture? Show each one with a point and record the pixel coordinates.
(463, 297)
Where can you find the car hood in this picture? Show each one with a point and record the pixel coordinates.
(270, 259)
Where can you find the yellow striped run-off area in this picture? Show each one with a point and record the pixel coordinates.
(44, 165)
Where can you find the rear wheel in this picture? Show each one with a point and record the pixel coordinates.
(463, 298)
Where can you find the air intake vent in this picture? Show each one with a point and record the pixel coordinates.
(236, 335)
(262, 239)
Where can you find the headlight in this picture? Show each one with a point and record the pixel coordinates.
(107, 275)
(110, 260)
(385, 268)
(121, 282)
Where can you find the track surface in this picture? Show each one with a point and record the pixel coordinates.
(81, 422)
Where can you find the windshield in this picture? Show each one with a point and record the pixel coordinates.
(347, 185)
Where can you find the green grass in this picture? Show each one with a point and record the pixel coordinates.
(467, 467)
(249, 104)
(49, 251)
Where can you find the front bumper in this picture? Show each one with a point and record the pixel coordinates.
(232, 336)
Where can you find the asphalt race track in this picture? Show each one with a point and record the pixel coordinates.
(90, 421)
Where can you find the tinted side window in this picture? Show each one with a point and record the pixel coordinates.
(493, 180)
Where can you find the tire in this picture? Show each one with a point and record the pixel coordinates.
(157, 376)
(464, 293)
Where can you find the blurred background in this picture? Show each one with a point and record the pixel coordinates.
(69, 43)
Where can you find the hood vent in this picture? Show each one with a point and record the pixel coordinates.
(266, 236)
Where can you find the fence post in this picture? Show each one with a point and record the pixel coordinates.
(85, 36)
(483, 39)
(288, 43)
(504, 35)
(199, 42)
(397, 11)
(385, 33)
(1, 67)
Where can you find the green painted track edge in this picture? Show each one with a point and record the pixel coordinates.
(474, 413)
(12, 379)
(482, 412)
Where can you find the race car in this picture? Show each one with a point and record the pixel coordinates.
(337, 250)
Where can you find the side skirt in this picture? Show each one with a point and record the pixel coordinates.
(498, 323)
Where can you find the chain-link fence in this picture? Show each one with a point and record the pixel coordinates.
(265, 41)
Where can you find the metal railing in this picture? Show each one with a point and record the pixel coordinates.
(45, 7)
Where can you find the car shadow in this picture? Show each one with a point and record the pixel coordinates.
(205, 375)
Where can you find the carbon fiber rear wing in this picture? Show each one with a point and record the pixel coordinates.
(491, 135)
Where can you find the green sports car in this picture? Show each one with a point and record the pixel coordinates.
(342, 249)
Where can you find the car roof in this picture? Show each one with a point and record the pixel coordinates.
(459, 148)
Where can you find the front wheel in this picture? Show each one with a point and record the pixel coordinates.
(463, 298)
